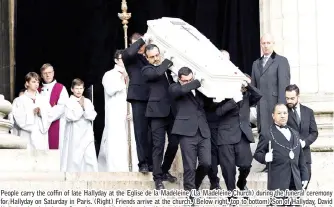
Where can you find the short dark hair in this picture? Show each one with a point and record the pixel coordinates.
(77, 82)
(118, 53)
(184, 71)
(278, 104)
(151, 47)
(135, 36)
(292, 87)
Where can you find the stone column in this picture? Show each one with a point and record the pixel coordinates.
(303, 33)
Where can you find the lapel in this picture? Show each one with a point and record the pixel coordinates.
(302, 113)
(270, 61)
(192, 98)
(292, 116)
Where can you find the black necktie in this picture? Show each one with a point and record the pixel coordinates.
(296, 115)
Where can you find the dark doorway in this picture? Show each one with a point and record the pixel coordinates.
(79, 37)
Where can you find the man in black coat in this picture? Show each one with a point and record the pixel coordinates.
(160, 112)
(134, 61)
(301, 118)
(192, 128)
(281, 148)
(270, 74)
(235, 135)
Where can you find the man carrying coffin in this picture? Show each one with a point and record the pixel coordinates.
(160, 112)
(301, 118)
(235, 135)
(134, 61)
(281, 148)
(192, 128)
(57, 94)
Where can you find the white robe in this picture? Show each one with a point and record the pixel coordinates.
(113, 156)
(78, 153)
(16, 129)
(57, 111)
(34, 128)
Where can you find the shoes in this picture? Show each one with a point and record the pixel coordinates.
(144, 168)
(215, 186)
(168, 177)
(159, 185)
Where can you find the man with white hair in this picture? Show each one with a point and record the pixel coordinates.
(270, 74)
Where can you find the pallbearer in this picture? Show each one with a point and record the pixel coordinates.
(287, 164)
(161, 111)
(235, 135)
(31, 114)
(78, 153)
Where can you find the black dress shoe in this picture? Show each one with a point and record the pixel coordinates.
(168, 177)
(159, 185)
(215, 187)
(143, 168)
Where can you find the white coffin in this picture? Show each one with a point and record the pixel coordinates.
(192, 49)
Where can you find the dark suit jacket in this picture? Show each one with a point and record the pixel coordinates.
(282, 167)
(308, 130)
(190, 115)
(134, 62)
(210, 112)
(234, 117)
(160, 101)
(271, 81)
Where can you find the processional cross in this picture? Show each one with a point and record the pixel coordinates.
(125, 16)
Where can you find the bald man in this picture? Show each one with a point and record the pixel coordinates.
(271, 75)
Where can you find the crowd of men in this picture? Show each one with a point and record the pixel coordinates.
(209, 132)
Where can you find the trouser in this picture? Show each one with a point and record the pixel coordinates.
(192, 148)
(159, 128)
(213, 171)
(142, 133)
(232, 155)
(308, 165)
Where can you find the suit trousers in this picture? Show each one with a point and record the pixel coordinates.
(213, 171)
(308, 165)
(142, 133)
(232, 155)
(193, 147)
(159, 128)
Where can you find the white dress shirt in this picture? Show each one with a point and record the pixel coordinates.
(286, 132)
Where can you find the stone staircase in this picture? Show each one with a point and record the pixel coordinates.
(24, 170)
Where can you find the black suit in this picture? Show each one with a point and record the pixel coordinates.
(192, 128)
(307, 129)
(159, 110)
(138, 93)
(284, 173)
(234, 137)
(213, 121)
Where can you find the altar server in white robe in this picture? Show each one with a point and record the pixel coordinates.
(78, 153)
(16, 129)
(113, 156)
(31, 114)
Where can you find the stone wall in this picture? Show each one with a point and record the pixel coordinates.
(303, 33)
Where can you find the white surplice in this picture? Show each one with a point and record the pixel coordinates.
(113, 156)
(57, 111)
(16, 129)
(34, 128)
(78, 153)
